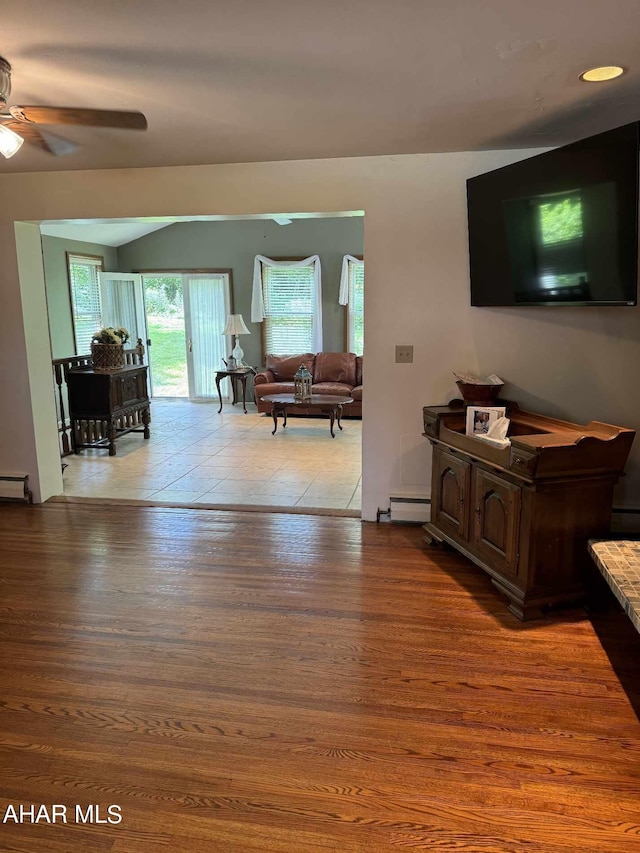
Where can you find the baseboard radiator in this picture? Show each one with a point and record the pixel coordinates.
(15, 488)
(408, 507)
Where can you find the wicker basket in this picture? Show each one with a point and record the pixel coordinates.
(107, 356)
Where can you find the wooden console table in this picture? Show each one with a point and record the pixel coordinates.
(103, 405)
(524, 513)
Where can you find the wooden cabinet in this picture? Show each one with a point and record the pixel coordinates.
(524, 513)
(103, 405)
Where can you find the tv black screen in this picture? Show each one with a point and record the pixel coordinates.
(560, 228)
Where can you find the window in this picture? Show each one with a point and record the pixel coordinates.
(561, 266)
(290, 308)
(84, 284)
(352, 296)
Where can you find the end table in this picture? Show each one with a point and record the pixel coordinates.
(236, 376)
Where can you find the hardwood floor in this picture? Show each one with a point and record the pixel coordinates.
(248, 682)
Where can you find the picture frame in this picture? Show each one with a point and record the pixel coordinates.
(480, 418)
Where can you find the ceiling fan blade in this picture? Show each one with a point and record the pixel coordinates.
(81, 116)
(48, 142)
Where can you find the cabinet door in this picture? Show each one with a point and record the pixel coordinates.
(450, 498)
(497, 520)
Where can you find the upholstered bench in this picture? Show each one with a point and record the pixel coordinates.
(619, 564)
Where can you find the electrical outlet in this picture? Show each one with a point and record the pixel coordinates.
(404, 355)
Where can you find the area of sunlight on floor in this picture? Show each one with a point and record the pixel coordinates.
(196, 455)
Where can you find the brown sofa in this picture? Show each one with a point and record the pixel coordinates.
(333, 373)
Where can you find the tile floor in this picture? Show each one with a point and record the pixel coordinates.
(196, 455)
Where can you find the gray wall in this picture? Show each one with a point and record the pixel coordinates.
(54, 251)
(234, 245)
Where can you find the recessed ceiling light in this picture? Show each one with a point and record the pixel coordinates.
(602, 73)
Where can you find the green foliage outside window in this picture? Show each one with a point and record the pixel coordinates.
(561, 221)
(165, 319)
(163, 295)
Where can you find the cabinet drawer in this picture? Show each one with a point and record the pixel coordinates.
(523, 462)
(430, 422)
(128, 389)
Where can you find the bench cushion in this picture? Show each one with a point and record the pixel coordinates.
(619, 564)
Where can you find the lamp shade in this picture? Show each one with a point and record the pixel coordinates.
(235, 326)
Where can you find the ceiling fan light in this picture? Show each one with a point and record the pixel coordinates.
(10, 142)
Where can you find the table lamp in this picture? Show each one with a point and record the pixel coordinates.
(236, 326)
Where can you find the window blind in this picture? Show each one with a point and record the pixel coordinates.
(356, 308)
(289, 307)
(84, 283)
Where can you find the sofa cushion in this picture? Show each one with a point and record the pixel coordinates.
(340, 389)
(274, 388)
(359, 364)
(356, 393)
(285, 367)
(335, 367)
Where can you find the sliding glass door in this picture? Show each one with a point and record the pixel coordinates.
(163, 299)
(186, 313)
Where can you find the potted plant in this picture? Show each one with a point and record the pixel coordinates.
(107, 348)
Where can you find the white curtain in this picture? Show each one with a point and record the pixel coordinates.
(123, 303)
(119, 306)
(206, 304)
(257, 301)
(343, 296)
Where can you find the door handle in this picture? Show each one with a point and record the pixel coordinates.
(190, 345)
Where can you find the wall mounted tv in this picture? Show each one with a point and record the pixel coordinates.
(560, 228)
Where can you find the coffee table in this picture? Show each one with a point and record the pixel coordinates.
(328, 405)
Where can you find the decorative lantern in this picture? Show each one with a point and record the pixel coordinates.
(302, 385)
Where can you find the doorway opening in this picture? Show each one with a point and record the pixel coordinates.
(215, 455)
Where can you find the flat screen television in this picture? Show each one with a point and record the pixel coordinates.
(560, 228)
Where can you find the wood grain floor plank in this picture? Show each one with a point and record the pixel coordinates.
(247, 682)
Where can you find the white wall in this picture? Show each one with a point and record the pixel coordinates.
(39, 455)
(557, 360)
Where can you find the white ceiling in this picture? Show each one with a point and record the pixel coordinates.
(253, 80)
(117, 232)
(104, 233)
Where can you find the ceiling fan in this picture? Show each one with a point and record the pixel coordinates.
(20, 124)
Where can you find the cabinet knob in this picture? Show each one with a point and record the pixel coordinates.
(518, 460)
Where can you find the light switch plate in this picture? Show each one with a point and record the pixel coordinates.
(404, 354)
